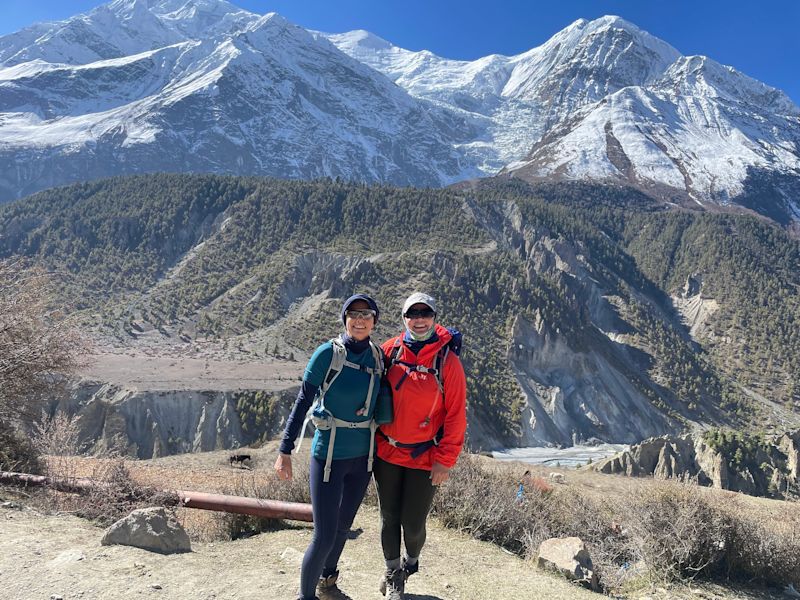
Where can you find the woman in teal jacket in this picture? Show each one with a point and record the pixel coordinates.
(346, 373)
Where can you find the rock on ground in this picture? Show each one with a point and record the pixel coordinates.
(569, 557)
(156, 529)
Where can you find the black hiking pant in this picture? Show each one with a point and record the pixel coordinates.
(334, 505)
(405, 497)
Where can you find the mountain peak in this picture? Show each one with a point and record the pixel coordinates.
(603, 23)
(359, 40)
(614, 21)
(365, 39)
(122, 28)
(164, 7)
(257, 94)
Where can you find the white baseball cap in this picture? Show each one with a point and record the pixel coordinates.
(419, 298)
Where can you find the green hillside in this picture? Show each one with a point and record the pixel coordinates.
(593, 268)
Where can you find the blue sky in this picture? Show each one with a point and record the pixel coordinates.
(759, 38)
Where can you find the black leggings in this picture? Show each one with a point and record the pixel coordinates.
(405, 496)
(334, 504)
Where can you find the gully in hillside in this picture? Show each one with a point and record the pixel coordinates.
(419, 447)
(344, 376)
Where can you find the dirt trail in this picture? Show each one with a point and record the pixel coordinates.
(60, 556)
(42, 556)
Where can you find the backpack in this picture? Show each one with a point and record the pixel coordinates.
(454, 346)
(324, 420)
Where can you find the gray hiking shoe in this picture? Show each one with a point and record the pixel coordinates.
(328, 590)
(410, 569)
(393, 584)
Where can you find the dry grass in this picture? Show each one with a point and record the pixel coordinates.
(641, 533)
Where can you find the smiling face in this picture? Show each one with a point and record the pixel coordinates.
(359, 327)
(419, 319)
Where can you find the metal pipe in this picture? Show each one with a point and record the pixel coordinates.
(272, 509)
(74, 485)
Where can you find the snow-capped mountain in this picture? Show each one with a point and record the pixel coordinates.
(201, 85)
(122, 28)
(607, 101)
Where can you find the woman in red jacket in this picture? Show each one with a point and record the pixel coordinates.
(419, 447)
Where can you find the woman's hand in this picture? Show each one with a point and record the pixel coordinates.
(439, 473)
(283, 466)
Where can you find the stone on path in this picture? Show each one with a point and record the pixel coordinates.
(155, 529)
(569, 557)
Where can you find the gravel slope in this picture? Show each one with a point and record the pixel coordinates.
(42, 556)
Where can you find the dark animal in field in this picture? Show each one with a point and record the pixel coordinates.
(239, 459)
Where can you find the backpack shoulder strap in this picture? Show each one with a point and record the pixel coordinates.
(397, 347)
(375, 373)
(335, 368)
(438, 364)
(377, 355)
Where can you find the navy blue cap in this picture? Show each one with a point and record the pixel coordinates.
(368, 299)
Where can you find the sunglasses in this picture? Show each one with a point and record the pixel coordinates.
(365, 314)
(423, 313)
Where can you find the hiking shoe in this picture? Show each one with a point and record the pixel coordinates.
(328, 590)
(393, 584)
(410, 569)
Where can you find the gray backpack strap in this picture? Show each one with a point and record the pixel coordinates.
(334, 425)
(334, 369)
(373, 427)
(374, 374)
(326, 476)
(439, 366)
(377, 355)
(338, 363)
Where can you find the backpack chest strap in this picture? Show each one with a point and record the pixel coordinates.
(362, 368)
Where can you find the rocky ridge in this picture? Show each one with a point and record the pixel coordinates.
(571, 396)
(772, 470)
(150, 424)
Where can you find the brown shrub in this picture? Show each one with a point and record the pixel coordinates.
(680, 531)
(765, 550)
(486, 505)
(660, 532)
(39, 345)
(540, 485)
(113, 493)
(116, 494)
(17, 453)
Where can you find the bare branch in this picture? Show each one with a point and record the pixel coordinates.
(39, 346)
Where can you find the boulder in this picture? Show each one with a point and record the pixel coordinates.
(155, 529)
(569, 557)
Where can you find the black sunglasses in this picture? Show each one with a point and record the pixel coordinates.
(423, 313)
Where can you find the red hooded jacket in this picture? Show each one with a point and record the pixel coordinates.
(420, 410)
